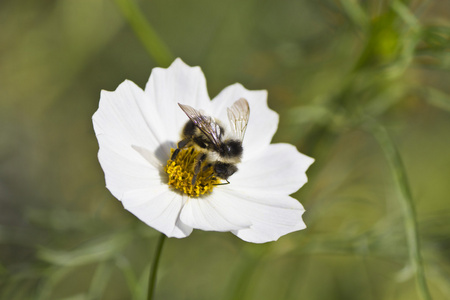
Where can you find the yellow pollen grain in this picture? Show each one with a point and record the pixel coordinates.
(181, 171)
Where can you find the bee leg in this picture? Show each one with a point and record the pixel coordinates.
(200, 159)
(181, 144)
(205, 168)
(227, 182)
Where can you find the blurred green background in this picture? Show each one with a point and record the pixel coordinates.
(332, 68)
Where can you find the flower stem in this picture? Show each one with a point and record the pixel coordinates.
(406, 201)
(154, 267)
(145, 32)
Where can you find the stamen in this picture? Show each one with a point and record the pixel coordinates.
(181, 172)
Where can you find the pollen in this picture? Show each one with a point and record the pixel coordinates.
(181, 171)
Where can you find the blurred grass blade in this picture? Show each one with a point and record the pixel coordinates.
(145, 32)
(241, 283)
(315, 114)
(98, 250)
(52, 280)
(127, 271)
(406, 201)
(403, 12)
(356, 13)
(437, 98)
(100, 281)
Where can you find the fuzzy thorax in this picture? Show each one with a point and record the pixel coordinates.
(181, 171)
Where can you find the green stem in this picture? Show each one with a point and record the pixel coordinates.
(145, 32)
(154, 267)
(406, 201)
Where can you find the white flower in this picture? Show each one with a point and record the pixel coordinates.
(137, 129)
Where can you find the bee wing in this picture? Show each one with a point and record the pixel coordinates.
(206, 124)
(238, 115)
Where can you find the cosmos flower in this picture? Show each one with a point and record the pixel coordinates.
(138, 130)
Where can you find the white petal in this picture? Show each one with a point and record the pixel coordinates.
(263, 121)
(213, 213)
(179, 83)
(271, 216)
(158, 208)
(157, 158)
(125, 169)
(128, 116)
(278, 169)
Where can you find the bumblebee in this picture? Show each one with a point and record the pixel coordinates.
(217, 148)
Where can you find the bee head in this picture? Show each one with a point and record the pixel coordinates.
(224, 170)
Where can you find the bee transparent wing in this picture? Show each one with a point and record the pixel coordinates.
(206, 124)
(238, 115)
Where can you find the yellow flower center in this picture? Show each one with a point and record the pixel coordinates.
(181, 172)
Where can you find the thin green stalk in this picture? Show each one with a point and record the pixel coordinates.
(406, 201)
(145, 32)
(154, 267)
